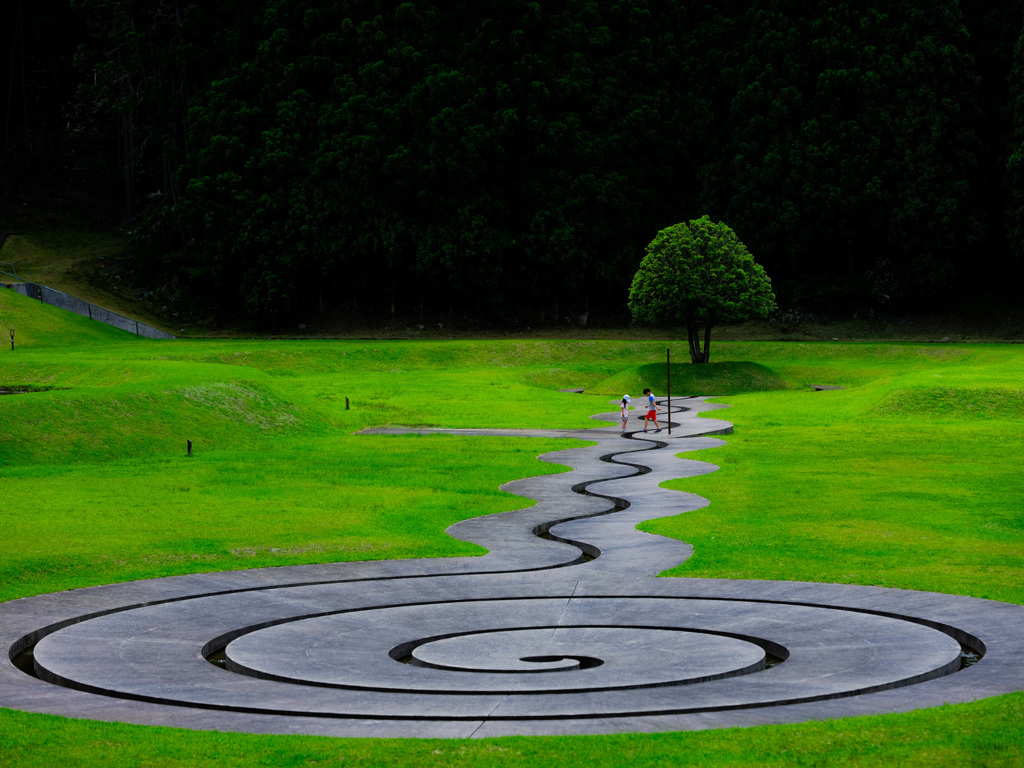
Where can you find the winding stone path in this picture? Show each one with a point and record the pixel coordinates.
(561, 628)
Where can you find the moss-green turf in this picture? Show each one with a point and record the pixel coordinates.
(907, 478)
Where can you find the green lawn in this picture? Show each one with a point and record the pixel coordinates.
(907, 478)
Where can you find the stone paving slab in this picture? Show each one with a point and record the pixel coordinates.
(561, 627)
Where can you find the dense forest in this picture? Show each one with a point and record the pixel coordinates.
(507, 161)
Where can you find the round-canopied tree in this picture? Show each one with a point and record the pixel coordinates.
(700, 274)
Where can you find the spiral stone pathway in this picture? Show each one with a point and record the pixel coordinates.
(561, 628)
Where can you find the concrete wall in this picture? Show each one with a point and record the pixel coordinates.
(84, 308)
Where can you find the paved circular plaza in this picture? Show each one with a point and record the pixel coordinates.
(562, 627)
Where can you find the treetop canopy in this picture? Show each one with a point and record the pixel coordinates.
(699, 273)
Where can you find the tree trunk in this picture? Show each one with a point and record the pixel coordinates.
(15, 37)
(128, 150)
(693, 333)
(698, 355)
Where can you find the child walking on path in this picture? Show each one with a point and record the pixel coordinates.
(652, 411)
(624, 410)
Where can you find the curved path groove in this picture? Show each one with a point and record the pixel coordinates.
(561, 627)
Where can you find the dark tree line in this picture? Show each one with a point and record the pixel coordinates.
(53, 145)
(510, 160)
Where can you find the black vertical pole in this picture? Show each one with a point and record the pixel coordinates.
(668, 377)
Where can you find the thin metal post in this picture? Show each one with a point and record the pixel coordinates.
(668, 377)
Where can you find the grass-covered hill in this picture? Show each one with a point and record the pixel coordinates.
(908, 477)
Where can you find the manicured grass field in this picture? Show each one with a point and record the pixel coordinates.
(908, 478)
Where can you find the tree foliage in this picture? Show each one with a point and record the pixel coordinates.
(699, 274)
(852, 147)
(506, 161)
(1015, 162)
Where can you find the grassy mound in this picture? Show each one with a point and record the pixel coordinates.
(953, 403)
(725, 378)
